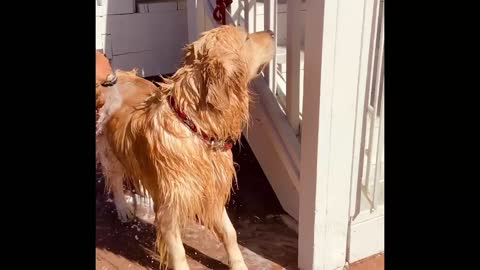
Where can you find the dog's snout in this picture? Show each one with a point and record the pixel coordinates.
(271, 33)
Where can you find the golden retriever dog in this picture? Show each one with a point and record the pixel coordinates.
(173, 140)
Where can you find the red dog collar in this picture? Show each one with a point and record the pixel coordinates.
(212, 142)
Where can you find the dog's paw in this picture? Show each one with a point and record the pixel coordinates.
(125, 212)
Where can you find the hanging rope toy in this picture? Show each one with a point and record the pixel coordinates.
(220, 10)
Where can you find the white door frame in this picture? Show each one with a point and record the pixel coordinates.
(333, 39)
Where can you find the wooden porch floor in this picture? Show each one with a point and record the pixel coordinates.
(376, 262)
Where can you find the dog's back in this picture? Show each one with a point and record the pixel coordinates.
(132, 89)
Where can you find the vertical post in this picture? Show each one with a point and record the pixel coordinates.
(195, 17)
(377, 76)
(251, 15)
(293, 64)
(270, 11)
(237, 12)
(332, 61)
(364, 88)
(380, 145)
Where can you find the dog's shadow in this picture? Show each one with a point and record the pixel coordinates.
(253, 209)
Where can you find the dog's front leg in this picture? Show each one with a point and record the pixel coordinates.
(228, 235)
(170, 233)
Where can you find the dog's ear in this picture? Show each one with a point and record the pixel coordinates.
(208, 75)
(215, 90)
(218, 75)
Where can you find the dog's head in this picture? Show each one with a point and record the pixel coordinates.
(224, 60)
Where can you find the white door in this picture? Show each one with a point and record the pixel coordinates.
(331, 175)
